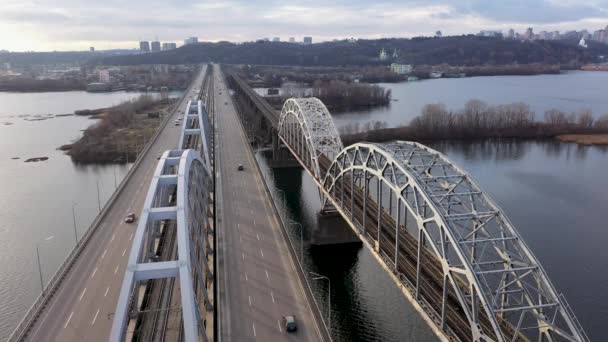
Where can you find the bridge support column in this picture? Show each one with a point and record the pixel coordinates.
(331, 229)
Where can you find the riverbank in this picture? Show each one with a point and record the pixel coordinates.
(121, 132)
(584, 139)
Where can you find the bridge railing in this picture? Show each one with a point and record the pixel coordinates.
(282, 213)
(51, 286)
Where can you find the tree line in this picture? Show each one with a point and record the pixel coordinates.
(479, 120)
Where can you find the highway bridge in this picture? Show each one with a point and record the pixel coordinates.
(209, 259)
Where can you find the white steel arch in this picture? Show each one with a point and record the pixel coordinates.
(486, 267)
(306, 125)
(196, 124)
(185, 170)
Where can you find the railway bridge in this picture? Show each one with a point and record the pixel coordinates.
(447, 245)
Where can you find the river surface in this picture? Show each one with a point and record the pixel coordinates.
(569, 91)
(36, 198)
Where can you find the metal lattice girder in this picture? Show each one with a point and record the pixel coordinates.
(186, 169)
(196, 123)
(310, 117)
(487, 268)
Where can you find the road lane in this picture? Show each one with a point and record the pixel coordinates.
(260, 282)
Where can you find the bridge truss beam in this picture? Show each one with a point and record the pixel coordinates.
(191, 216)
(431, 225)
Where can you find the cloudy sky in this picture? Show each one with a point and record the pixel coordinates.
(43, 25)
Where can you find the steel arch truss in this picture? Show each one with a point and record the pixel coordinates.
(179, 172)
(448, 243)
(306, 127)
(196, 126)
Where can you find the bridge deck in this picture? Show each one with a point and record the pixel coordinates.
(258, 283)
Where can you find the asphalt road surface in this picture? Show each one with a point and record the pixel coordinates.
(82, 307)
(258, 281)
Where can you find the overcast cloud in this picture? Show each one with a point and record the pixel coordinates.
(76, 25)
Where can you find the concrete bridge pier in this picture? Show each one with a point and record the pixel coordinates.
(331, 229)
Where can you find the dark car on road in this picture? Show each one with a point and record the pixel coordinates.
(130, 218)
(240, 167)
(289, 322)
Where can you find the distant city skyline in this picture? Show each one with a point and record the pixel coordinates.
(45, 25)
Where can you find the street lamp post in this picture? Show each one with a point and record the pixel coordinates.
(98, 199)
(74, 220)
(39, 264)
(301, 239)
(317, 277)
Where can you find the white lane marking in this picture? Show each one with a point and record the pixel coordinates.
(267, 277)
(272, 296)
(94, 271)
(113, 236)
(82, 294)
(104, 253)
(253, 329)
(258, 236)
(238, 225)
(246, 279)
(68, 321)
(124, 252)
(131, 237)
(107, 289)
(116, 269)
(280, 328)
(262, 252)
(95, 318)
(249, 300)
(243, 256)
(254, 223)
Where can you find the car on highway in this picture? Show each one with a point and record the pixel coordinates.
(240, 167)
(290, 324)
(130, 218)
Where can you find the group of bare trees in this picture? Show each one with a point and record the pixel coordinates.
(356, 127)
(117, 127)
(343, 95)
(478, 119)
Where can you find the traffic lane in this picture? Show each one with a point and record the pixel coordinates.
(70, 289)
(267, 326)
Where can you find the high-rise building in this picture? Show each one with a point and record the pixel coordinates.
(144, 46)
(92, 49)
(529, 34)
(155, 46)
(292, 40)
(511, 34)
(104, 76)
(191, 40)
(307, 40)
(438, 34)
(169, 46)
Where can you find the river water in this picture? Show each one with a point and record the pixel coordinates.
(569, 91)
(36, 198)
(556, 195)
